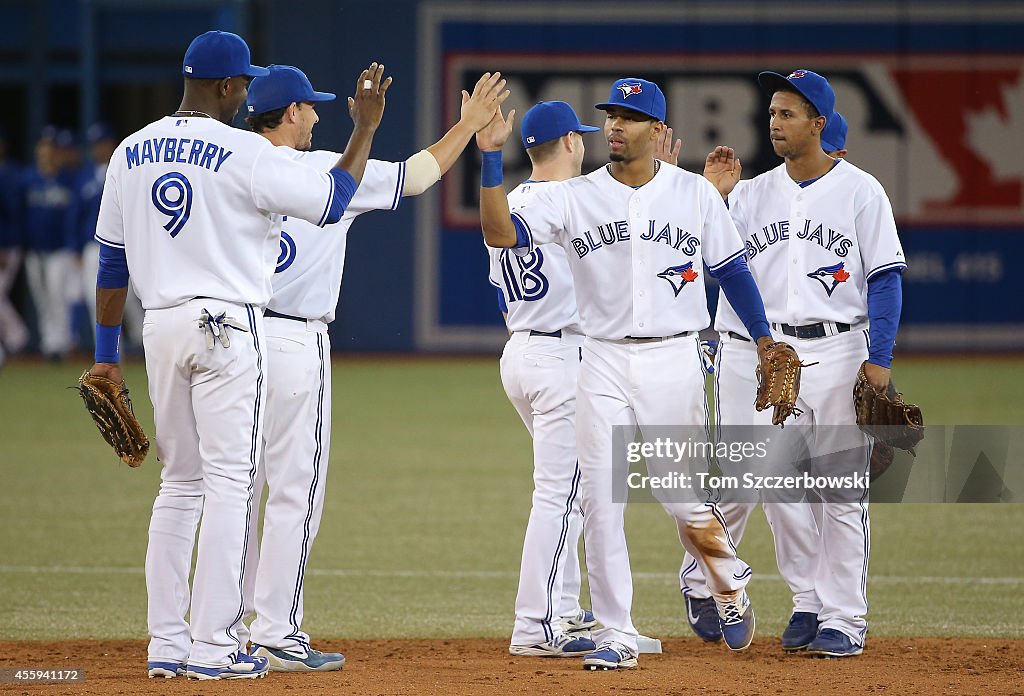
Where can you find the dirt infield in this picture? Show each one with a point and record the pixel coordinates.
(897, 666)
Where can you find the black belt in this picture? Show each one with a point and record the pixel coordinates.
(551, 334)
(658, 338)
(736, 336)
(811, 330)
(269, 313)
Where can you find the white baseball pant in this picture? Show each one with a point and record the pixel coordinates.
(297, 436)
(634, 383)
(208, 409)
(539, 375)
(824, 561)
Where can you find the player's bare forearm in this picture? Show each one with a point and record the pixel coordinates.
(495, 218)
(451, 145)
(110, 305)
(357, 152)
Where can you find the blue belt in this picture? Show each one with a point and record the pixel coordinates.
(551, 334)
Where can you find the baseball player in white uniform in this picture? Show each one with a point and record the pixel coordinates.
(190, 207)
(830, 225)
(633, 232)
(539, 366)
(700, 608)
(306, 286)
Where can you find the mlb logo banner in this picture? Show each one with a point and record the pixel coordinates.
(935, 116)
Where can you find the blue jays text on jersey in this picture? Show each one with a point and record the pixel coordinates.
(836, 242)
(618, 231)
(200, 152)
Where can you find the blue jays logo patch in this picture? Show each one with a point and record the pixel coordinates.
(797, 74)
(830, 276)
(679, 276)
(628, 90)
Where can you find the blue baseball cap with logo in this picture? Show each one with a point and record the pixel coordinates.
(833, 137)
(283, 86)
(811, 85)
(219, 54)
(546, 121)
(638, 95)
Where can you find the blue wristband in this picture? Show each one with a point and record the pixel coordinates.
(107, 338)
(490, 169)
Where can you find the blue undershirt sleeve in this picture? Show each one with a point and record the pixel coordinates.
(522, 236)
(885, 301)
(113, 272)
(739, 287)
(344, 188)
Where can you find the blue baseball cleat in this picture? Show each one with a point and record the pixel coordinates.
(559, 646)
(737, 619)
(802, 628)
(167, 670)
(307, 660)
(584, 621)
(702, 614)
(832, 643)
(610, 655)
(242, 667)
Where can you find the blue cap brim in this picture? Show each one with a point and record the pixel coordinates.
(603, 106)
(587, 129)
(322, 97)
(256, 71)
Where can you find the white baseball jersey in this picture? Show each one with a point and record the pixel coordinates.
(310, 263)
(636, 254)
(537, 288)
(812, 249)
(189, 199)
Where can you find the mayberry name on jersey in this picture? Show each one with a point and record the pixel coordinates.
(618, 231)
(182, 150)
(776, 232)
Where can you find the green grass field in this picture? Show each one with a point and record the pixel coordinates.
(426, 508)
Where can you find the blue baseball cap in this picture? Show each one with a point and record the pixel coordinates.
(219, 54)
(811, 85)
(638, 95)
(546, 121)
(65, 138)
(833, 137)
(99, 131)
(282, 86)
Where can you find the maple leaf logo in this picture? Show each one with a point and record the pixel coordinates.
(990, 133)
(841, 276)
(689, 275)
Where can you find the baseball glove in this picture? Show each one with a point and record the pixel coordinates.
(778, 381)
(111, 409)
(882, 456)
(885, 416)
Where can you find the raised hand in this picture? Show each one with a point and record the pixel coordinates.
(480, 107)
(722, 168)
(493, 136)
(366, 106)
(665, 150)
